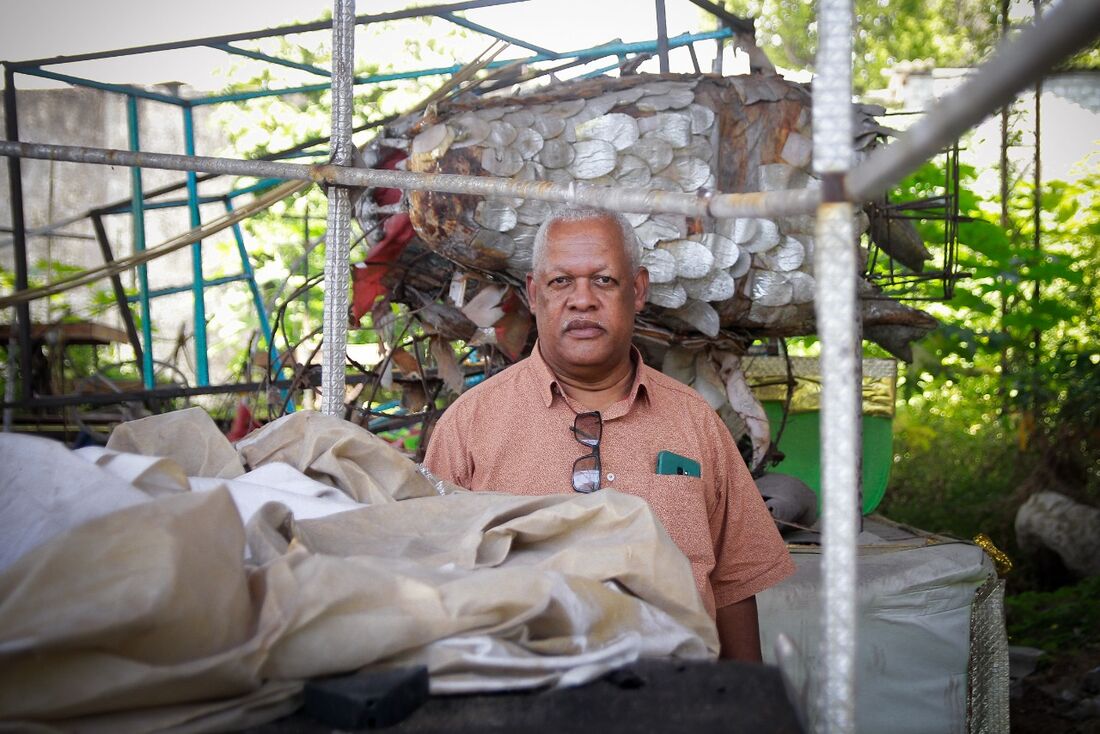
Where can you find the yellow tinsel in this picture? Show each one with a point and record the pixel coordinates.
(1000, 560)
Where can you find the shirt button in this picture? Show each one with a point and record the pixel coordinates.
(610, 477)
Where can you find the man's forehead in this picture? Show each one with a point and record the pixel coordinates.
(578, 238)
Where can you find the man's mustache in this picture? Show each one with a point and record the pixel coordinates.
(582, 324)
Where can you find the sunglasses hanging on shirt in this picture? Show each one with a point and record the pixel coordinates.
(587, 429)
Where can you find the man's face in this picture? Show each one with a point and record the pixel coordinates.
(585, 296)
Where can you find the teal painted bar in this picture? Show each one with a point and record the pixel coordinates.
(202, 366)
(602, 70)
(263, 185)
(306, 154)
(116, 88)
(611, 49)
(257, 300)
(137, 209)
(269, 59)
(459, 20)
(250, 275)
(160, 292)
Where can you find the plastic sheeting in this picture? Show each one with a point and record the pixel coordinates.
(126, 603)
(914, 600)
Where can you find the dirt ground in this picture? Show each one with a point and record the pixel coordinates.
(1057, 699)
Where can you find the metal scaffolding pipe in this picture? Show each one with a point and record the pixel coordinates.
(836, 307)
(662, 36)
(1065, 28)
(753, 204)
(317, 25)
(598, 52)
(19, 236)
(120, 293)
(140, 258)
(198, 290)
(338, 237)
(137, 209)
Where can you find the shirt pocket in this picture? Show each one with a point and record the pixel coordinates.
(679, 502)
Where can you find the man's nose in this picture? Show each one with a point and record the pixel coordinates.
(583, 297)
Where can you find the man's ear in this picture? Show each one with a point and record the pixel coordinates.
(641, 289)
(532, 291)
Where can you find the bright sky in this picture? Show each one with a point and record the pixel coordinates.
(45, 28)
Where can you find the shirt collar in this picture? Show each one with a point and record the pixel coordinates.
(546, 382)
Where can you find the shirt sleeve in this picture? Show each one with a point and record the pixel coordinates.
(447, 456)
(749, 553)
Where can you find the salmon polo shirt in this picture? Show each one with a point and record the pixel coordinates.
(512, 434)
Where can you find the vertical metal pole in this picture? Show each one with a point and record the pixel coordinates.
(305, 264)
(198, 285)
(257, 298)
(335, 326)
(19, 235)
(1037, 222)
(662, 36)
(9, 381)
(835, 267)
(120, 293)
(137, 208)
(1005, 226)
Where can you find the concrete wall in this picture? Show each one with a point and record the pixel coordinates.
(54, 191)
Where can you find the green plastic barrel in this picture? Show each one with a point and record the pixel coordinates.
(801, 443)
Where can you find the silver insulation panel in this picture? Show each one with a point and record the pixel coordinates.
(987, 669)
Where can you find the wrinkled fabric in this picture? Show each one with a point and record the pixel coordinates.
(39, 498)
(146, 616)
(189, 437)
(339, 453)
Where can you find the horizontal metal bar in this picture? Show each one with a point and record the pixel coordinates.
(210, 283)
(169, 204)
(1066, 27)
(459, 20)
(50, 232)
(602, 70)
(270, 59)
(611, 49)
(92, 84)
(165, 393)
(47, 229)
(267, 183)
(756, 204)
(317, 25)
(143, 257)
(324, 154)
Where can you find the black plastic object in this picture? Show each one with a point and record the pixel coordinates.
(366, 700)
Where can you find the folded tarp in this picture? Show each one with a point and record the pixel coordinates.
(126, 602)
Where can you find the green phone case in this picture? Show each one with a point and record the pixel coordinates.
(670, 463)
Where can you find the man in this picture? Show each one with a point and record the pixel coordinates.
(584, 413)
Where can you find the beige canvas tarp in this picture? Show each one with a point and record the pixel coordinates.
(127, 602)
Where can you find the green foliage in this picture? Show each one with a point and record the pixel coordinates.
(949, 32)
(1003, 398)
(1056, 621)
(955, 465)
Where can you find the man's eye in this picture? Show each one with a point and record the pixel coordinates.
(560, 280)
(604, 280)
